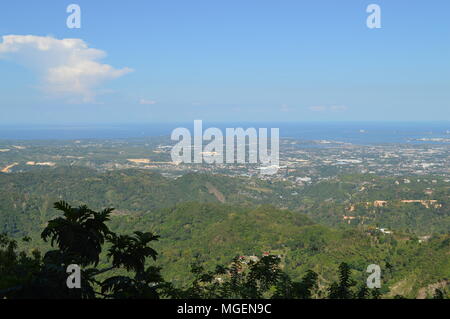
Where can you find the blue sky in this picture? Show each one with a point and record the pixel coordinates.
(164, 61)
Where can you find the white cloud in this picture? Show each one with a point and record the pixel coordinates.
(147, 102)
(67, 68)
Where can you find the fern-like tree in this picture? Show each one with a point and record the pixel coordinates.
(78, 238)
(342, 289)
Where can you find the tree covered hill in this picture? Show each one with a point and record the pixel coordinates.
(419, 205)
(26, 198)
(215, 233)
(214, 218)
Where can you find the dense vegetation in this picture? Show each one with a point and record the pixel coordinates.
(210, 219)
(26, 198)
(78, 238)
(211, 234)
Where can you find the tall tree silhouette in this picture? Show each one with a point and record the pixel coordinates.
(342, 290)
(78, 238)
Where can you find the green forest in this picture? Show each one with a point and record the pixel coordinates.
(211, 236)
(80, 235)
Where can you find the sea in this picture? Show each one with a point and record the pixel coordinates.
(362, 133)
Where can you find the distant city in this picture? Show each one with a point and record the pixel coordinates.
(374, 149)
